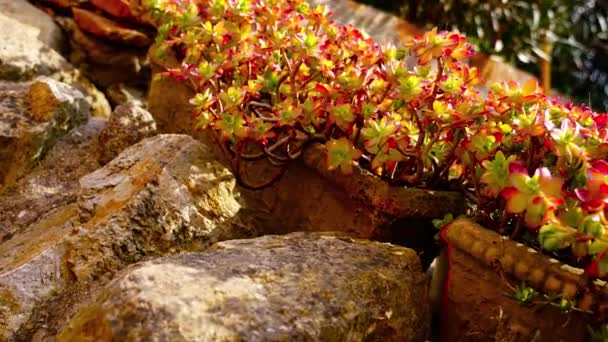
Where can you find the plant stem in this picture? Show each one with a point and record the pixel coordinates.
(237, 172)
(545, 64)
(518, 226)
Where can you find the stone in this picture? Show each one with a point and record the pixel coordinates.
(102, 27)
(33, 116)
(169, 100)
(54, 182)
(64, 3)
(128, 125)
(296, 287)
(119, 93)
(164, 195)
(116, 8)
(49, 33)
(103, 63)
(33, 48)
(127, 9)
(47, 195)
(100, 106)
(23, 52)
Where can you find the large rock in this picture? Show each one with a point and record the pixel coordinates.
(32, 47)
(52, 184)
(165, 195)
(45, 198)
(100, 106)
(127, 9)
(109, 29)
(105, 64)
(49, 33)
(128, 124)
(298, 287)
(119, 94)
(23, 52)
(32, 117)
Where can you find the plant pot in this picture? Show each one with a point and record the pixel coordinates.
(484, 267)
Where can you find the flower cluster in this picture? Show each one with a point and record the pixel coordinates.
(274, 76)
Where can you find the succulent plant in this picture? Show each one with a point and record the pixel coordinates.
(273, 77)
(519, 31)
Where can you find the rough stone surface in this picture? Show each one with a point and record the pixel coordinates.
(23, 53)
(105, 64)
(298, 287)
(32, 47)
(39, 202)
(49, 34)
(168, 100)
(103, 27)
(119, 94)
(32, 117)
(164, 195)
(52, 184)
(126, 9)
(64, 3)
(100, 106)
(128, 125)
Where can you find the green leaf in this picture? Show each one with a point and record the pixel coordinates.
(343, 115)
(524, 294)
(310, 41)
(368, 110)
(384, 156)
(452, 85)
(232, 97)
(440, 223)
(598, 246)
(203, 100)
(377, 133)
(230, 124)
(592, 225)
(483, 145)
(409, 86)
(206, 70)
(341, 154)
(553, 236)
(496, 173)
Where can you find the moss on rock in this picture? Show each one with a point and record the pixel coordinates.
(301, 286)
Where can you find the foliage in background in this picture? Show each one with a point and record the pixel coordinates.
(514, 30)
(273, 77)
(582, 69)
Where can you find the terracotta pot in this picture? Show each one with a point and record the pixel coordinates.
(484, 267)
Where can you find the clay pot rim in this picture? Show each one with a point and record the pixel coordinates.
(545, 274)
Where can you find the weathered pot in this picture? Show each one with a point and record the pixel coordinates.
(483, 267)
(361, 204)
